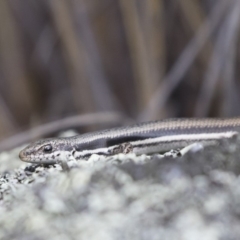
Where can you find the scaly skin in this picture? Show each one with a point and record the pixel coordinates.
(53, 149)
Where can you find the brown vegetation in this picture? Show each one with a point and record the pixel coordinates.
(143, 59)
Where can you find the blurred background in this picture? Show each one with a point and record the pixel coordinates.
(90, 64)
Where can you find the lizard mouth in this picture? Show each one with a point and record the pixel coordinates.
(29, 159)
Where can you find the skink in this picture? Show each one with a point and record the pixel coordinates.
(143, 138)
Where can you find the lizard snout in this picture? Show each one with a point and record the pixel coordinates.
(22, 155)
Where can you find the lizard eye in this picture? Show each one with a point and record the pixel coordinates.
(47, 148)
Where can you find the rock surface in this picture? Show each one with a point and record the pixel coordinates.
(126, 197)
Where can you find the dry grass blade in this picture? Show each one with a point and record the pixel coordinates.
(184, 62)
(17, 92)
(103, 97)
(105, 118)
(212, 79)
(154, 30)
(138, 51)
(230, 105)
(75, 55)
(194, 14)
(7, 121)
(213, 76)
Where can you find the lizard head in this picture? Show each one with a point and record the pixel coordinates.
(47, 151)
